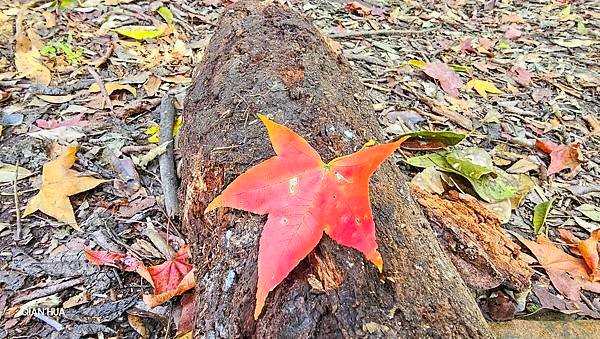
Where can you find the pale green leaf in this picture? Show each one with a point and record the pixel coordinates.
(590, 211)
(472, 162)
(540, 213)
(7, 172)
(166, 14)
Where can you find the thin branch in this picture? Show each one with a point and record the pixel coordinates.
(384, 32)
(100, 83)
(166, 161)
(17, 235)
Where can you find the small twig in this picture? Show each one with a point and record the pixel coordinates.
(104, 58)
(385, 32)
(49, 290)
(100, 83)
(366, 58)
(137, 148)
(17, 235)
(166, 161)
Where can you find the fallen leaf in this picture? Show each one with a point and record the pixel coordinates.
(111, 87)
(152, 84)
(502, 209)
(142, 32)
(166, 14)
(523, 165)
(589, 210)
(430, 180)
(187, 283)
(8, 171)
(510, 18)
(568, 274)
(121, 261)
(154, 130)
(357, 7)
(137, 323)
(431, 140)
(483, 87)
(540, 213)
(56, 99)
(561, 156)
(27, 60)
(513, 32)
(59, 182)
(573, 43)
(53, 123)
(63, 133)
(521, 75)
(172, 277)
(588, 249)
(305, 197)
(169, 274)
(449, 80)
(472, 162)
(492, 187)
(417, 63)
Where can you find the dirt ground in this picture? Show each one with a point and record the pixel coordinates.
(542, 56)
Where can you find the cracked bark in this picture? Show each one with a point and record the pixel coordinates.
(265, 58)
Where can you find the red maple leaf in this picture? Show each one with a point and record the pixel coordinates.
(561, 156)
(169, 274)
(171, 278)
(305, 197)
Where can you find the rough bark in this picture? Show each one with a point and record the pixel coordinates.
(472, 237)
(264, 58)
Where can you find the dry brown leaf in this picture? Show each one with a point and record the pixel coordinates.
(28, 60)
(59, 182)
(568, 274)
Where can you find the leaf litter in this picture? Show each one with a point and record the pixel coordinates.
(540, 89)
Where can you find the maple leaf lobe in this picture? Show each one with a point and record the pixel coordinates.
(303, 198)
(59, 182)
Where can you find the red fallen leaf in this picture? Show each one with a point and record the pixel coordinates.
(449, 80)
(561, 156)
(521, 75)
(169, 274)
(513, 32)
(567, 273)
(171, 278)
(357, 7)
(121, 261)
(305, 197)
(187, 283)
(53, 123)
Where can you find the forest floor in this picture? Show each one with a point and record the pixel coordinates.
(520, 79)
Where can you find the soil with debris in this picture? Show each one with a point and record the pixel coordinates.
(86, 73)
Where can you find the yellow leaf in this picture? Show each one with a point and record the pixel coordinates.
(565, 11)
(483, 87)
(59, 182)
(154, 130)
(417, 63)
(111, 87)
(142, 32)
(28, 61)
